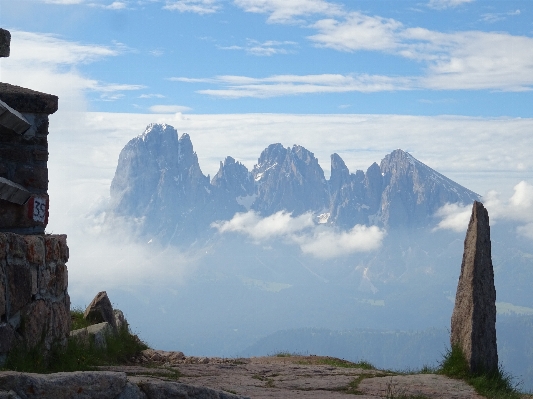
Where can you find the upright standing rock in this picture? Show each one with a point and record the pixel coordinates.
(100, 310)
(474, 315)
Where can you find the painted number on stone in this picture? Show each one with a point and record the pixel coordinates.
(39, 209)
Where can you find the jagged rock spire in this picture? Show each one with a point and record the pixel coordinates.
(473, 327)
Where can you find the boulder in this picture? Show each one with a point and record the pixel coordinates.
(100, 310)
(120, 320)
(80, 384)
(98, 385)
(96, 332)
(473, 324)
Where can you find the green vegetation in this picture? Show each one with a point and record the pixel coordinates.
(493, 385)
(334, 362)
(78, 321)
(78, 354)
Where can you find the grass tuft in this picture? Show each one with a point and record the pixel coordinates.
(78, 321)
(77, 355)
(493, 385)
(334, 362)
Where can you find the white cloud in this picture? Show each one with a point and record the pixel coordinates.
(283, 85)
(318, 241)
(116, 5)
(47, 63)
(168, 109)
(456, 61)
(443, 4)
(267, 48)
(472, 60)
(478, 60)
(51, 50)
(277, 225)
(327, 243)
(195, 6)
(357, 32)
(283, 11)
(64, 2)
(519, 208)
(454, 217)
(151, 96)
(499, 16)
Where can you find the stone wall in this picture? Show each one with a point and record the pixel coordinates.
(34, 302)
(23, 159)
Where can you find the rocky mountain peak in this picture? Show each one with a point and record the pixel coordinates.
(159, 180)
(234, 179)
(340, 174)
(412, 190)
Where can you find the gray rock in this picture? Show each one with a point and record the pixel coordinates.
(131, 391)
(120, 320)
(473, 324)
(97, 332)
(289, 179)
(8, 395)
(5, 41)
(101, 310)
(167, 390)
(80, 384)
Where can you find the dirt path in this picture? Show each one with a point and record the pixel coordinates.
(303, 377)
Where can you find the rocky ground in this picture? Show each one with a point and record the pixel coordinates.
(303, 377)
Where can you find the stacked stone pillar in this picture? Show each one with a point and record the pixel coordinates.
(34, 301)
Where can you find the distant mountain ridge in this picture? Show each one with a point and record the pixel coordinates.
(158, 183)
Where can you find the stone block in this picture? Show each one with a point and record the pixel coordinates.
(3, 309)
(19, 154)
(16, 246)
(5, 43)
(26, 100)
(60, 322)
(3, 246)
(31, 176)
(35, 323)
(35, 249)
(13, 192)
(63, 247)
(12, 119)
(95, 332)
(40, 155)
(44, 277)
(7, 337)
(51, 243)
(19, 281)
(58, 282)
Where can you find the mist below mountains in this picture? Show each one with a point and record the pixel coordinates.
(283, 259)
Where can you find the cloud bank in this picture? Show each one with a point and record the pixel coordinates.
(519, 209)
(319, 241)
(47, 63)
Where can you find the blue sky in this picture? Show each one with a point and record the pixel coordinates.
(426, 57)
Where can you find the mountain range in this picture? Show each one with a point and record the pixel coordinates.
(159, 184)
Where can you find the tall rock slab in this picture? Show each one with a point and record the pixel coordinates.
(473, 326)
